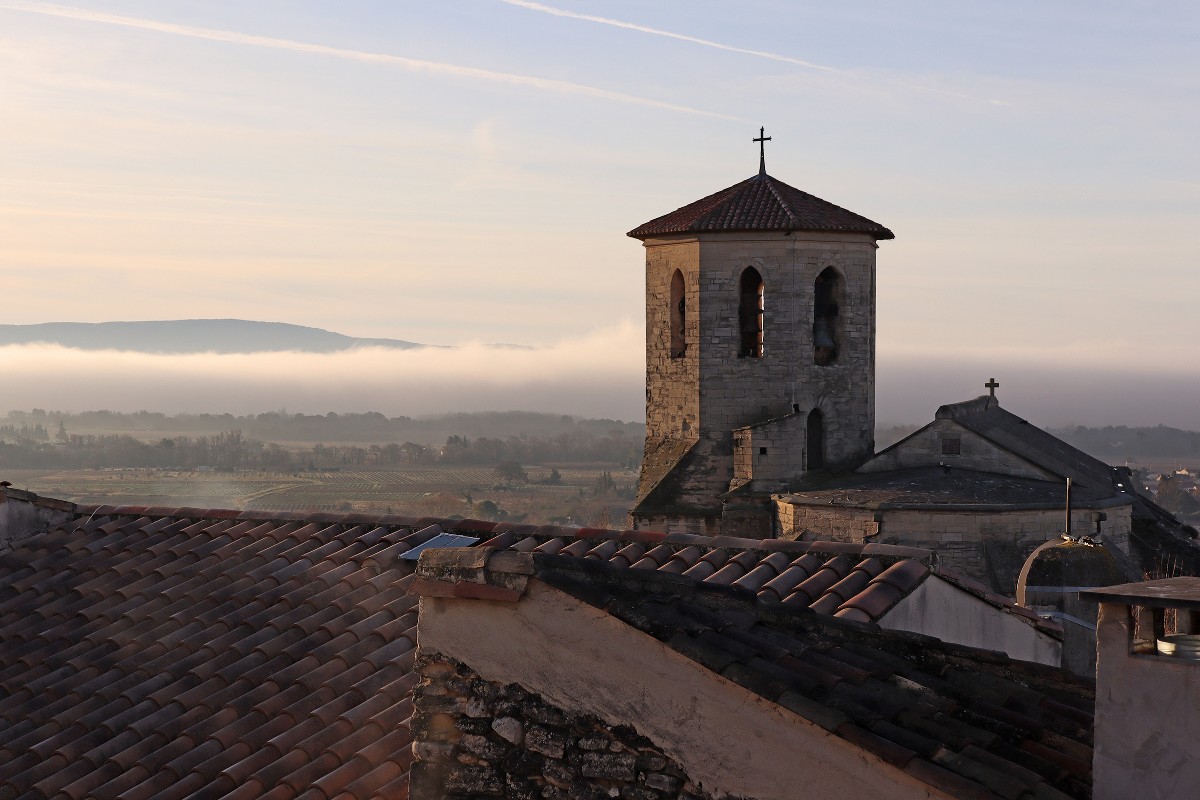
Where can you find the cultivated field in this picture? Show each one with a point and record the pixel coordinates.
(580, 498)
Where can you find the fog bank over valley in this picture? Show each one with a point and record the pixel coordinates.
(596, 375)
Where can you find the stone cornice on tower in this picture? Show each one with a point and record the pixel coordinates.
(760, 203)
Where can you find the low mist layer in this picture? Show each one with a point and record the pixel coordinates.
(598, 375)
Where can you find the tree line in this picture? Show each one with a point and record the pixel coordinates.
(34, 447)
(281, 426)
(1115, 443)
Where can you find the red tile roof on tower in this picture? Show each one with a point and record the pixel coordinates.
(760, 203)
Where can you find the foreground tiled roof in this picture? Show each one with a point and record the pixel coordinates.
(760, 203)
(972, 724)
(154, 656)
(174, 653)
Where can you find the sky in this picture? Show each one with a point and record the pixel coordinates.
(465, 172)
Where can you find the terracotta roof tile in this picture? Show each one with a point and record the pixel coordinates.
(873, 601)
(850, 585)
(170, 652)
(970, 723)
(654, 558)
(760, 203)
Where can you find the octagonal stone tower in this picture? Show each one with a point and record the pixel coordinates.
(760, 353)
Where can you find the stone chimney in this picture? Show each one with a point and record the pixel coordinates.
(1147, 690)
(24, 514)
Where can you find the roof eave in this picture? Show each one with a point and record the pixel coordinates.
(642, 234)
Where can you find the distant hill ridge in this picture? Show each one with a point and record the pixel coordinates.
(193, 336)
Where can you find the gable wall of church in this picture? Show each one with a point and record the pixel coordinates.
(928, 448)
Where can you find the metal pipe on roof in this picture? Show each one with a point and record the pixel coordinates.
(1068, 531)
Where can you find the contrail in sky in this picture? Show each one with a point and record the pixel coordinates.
(411, 64)
(616, 23)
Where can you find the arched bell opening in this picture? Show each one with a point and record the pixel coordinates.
(678, 315)
(750, 314)
(826, 329)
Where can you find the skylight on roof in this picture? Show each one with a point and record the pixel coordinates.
(441, 540)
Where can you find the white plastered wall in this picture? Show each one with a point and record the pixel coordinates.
(726, 738)
(940, 609)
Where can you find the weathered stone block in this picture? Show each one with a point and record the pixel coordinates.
(477, 707)
(482, 746)
(559, 773)
(509, 729)
(546, 715)
(474, 780)
(663, 782)
(650, 762)
(595, 743)
(545, 741)
(612, 766)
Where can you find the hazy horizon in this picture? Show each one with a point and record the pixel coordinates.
(601, 375)
(462, 173)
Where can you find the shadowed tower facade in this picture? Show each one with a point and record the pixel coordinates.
(760, 353)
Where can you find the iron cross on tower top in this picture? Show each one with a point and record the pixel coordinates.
(991, 386)
(762, 150)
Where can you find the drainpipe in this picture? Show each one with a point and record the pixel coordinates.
(1068, 530)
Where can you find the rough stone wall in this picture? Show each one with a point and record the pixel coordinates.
(712, 390)
(967, 526)
(924, 449)
(707, 526)
(738, 391)
(672, 395)
(748, 518)
(962, 539)
(905, 526)
(783, 441)
(830, 523)
(477, 739)
(24, 514)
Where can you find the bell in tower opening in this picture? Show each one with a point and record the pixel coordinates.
(825, 318)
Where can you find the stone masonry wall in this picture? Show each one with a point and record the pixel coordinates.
(837, 524)
(771, 453)
(738, 391)
(712, 390)
(961, 538)
(24, 514)
(706, 526)
(672, 398)
(476, 739)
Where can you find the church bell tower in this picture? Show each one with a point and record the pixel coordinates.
(760, 352)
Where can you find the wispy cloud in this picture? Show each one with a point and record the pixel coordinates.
(410, 64)
(632, 26)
